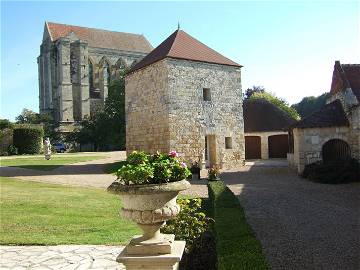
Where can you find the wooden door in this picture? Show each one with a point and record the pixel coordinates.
(278, 146)
(252, 147)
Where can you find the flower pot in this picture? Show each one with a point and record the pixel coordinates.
(150, 206)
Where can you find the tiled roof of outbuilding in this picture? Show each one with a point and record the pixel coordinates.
(260, 115)
(101, 38)
(180, 45)
(330, 115)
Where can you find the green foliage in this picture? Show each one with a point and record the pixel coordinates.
(236, 244)
(255, 89)
(190, 224)
(142, 168)
(5, 123)
(12, 150)
(278, 102)
(45, 119)
(28, 140)
(111, 118)
(336, 172)
(309, 105)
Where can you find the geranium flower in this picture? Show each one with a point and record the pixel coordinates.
(183, 164)
(173, 153)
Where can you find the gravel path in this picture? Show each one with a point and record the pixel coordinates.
(301, 225)
(66, 257)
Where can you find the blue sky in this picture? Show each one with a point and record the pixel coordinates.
(287, 47)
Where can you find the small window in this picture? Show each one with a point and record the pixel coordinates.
(206, 94)
(228, 143)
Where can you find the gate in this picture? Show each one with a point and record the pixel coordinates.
(252, 147)
(334, 150)
(278, 146)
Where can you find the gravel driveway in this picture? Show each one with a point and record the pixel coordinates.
(301, 225)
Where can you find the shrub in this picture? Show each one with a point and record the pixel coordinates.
(142, 168)
(336, 172)
(236, 245)
(193, 226)
(214, 173)
(28, 140)
(12, 150)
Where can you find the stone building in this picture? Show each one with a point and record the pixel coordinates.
(266, 130)
(76, 65)
(333, 132)
(184, 96)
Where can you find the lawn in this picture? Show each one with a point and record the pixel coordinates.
(47, 214)
(39, 163)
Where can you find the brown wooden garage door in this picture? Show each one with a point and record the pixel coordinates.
(252, 147)
(278, 146)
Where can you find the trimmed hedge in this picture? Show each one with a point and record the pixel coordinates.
(236, 244)
(28, 140)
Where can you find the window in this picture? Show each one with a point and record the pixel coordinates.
(228, 143)
(91, 76)
(206, 94)
(106, 73)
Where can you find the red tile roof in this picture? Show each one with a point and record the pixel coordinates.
(101, 38)
(346, 76)
(180, 45)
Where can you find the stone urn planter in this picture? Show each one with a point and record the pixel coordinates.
(150, 206)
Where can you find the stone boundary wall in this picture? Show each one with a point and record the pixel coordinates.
(264, 140)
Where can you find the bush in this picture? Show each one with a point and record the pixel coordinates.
(193, 226)
(28, 140)
(236, 245)
(12, 150)
(336, 172)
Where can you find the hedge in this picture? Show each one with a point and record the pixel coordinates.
(28, 140)
(236, 243)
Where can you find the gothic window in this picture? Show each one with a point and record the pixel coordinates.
(73, 67)
(119, 69)
(91, 76)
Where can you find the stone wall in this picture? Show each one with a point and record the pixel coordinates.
(191, 118)
(308, 143)
(147, 109)
(264, 136)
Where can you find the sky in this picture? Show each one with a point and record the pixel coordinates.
(287, 47)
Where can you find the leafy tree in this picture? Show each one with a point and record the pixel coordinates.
(30, 117)
(5, 123)
(311, 104)
(255, 89)
(278, 102)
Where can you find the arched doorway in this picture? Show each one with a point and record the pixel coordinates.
(278, 146)
(334, 150)
(252, 147)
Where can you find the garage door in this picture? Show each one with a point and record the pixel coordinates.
(278, 146)
(252, 147)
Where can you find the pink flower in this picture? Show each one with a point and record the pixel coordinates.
(183, 164)
(173, 154)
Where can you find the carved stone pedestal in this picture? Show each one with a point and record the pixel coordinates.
(153, 262)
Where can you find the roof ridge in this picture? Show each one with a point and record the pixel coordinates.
(92, 28)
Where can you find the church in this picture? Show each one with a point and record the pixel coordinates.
(76, 65)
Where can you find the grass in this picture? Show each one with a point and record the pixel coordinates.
(47, 214)
(236, 243)
(39, 163)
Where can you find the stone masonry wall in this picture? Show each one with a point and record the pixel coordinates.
(147, 109)
(308, 143)
(191, 118)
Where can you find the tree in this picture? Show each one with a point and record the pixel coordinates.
(30, 117)
(311, 104)
(278, 102)
(5, 123)
(255, 89)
